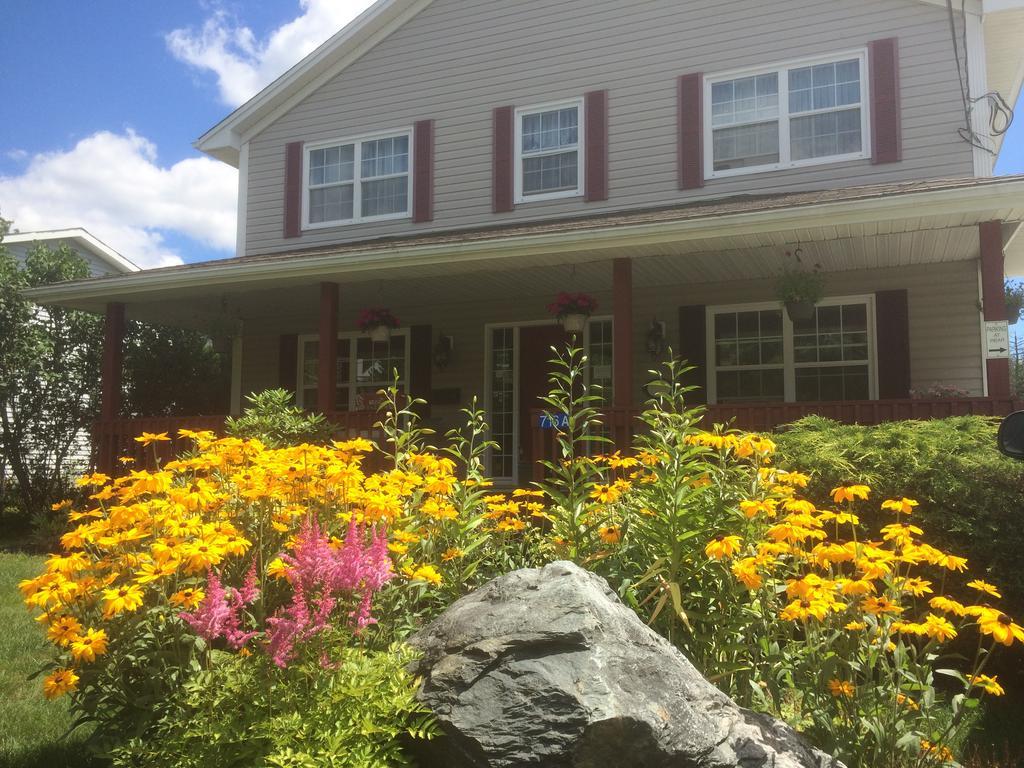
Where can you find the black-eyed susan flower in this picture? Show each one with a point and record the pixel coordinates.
(59, 682)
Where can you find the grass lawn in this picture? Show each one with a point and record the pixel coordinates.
(31, 728)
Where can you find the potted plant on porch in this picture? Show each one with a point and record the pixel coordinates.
(800, 289)
(572, 310)
(377, 323)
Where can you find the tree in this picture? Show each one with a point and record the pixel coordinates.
(49, 372)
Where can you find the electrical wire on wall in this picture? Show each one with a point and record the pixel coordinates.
(1000, 114)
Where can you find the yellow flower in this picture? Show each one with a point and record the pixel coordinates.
(723, 547)
(426, 573)
(937, 750)
(989, 684)
(880, 605)
(59, 682)
(189, 597)
(277, 569)
(855, 626)
(1000, 626)
(900, 506)
(915, 586)
(90, 645)
(115, 601)
(984, 586)
(938, 628)
(841, 688)
(398, 548)
(752, 508)
(606, 494)
(148, 438)
(745, 570)
(64, 630)
(947, 605)
(950, 562)
(850, 493)
(610, 534)
(907, 702)
(451, 554)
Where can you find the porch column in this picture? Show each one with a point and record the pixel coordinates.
(993, 300)
(327, 378)
(622, 333)
(113, 356)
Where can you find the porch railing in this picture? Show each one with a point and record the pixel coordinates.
(621, 423)
(115, 439)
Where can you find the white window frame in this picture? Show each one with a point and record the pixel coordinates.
(581, 150)
(789, 364)
(784, 118)
(350, 338)
(584, 343)
(357, 180)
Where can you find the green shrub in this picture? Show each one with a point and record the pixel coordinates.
(272, 419)
(970, 494)
(348, 710)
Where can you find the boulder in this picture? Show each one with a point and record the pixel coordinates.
(547, 667)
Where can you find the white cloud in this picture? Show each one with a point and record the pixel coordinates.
(113, 185)
(242, 63)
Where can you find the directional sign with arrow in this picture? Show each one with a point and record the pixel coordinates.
(997, 339)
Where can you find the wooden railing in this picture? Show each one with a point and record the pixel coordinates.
(620, 424)
(113, 440)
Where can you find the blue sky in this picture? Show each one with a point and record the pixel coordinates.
(103, 99)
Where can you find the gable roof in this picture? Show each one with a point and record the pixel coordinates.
(80, 239)
(224, 140)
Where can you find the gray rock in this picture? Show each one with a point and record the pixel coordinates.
(546, 667)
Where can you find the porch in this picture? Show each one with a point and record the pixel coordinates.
(912, 276)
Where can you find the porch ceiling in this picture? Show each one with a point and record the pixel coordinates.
(713, 241)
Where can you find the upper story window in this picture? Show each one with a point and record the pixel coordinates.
(357, 180)
(549, 152)
(800, 114)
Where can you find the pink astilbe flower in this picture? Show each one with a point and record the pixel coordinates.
(220, 613)
(322, 576)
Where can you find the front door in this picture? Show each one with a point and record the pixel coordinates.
(535, 343)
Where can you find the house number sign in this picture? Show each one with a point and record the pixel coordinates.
(553, 421)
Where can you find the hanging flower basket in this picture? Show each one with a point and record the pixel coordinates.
(377, 323)
(573, 309)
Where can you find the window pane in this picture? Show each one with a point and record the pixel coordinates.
(502, 401)
(824, 86)
(832, 383)
(746, 146)
(330, 204)
(553, 130)
(752, 385)
(331, 165)
(745, 100)
(385, 157)
(550, 173)
(385, 196)
(831, 133)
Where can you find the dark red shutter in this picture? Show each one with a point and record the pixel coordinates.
(595, 106)
(421, 364)
(293, 189)
(504, 159)
(693, 349)
(884, 63)
(691, 131)
(288, 363)
(423, 171)
(892, 329)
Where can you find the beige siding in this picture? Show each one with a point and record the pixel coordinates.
(460, 58)
(945, 329)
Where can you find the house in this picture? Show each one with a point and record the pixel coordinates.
(101, 258)
(461, 162)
